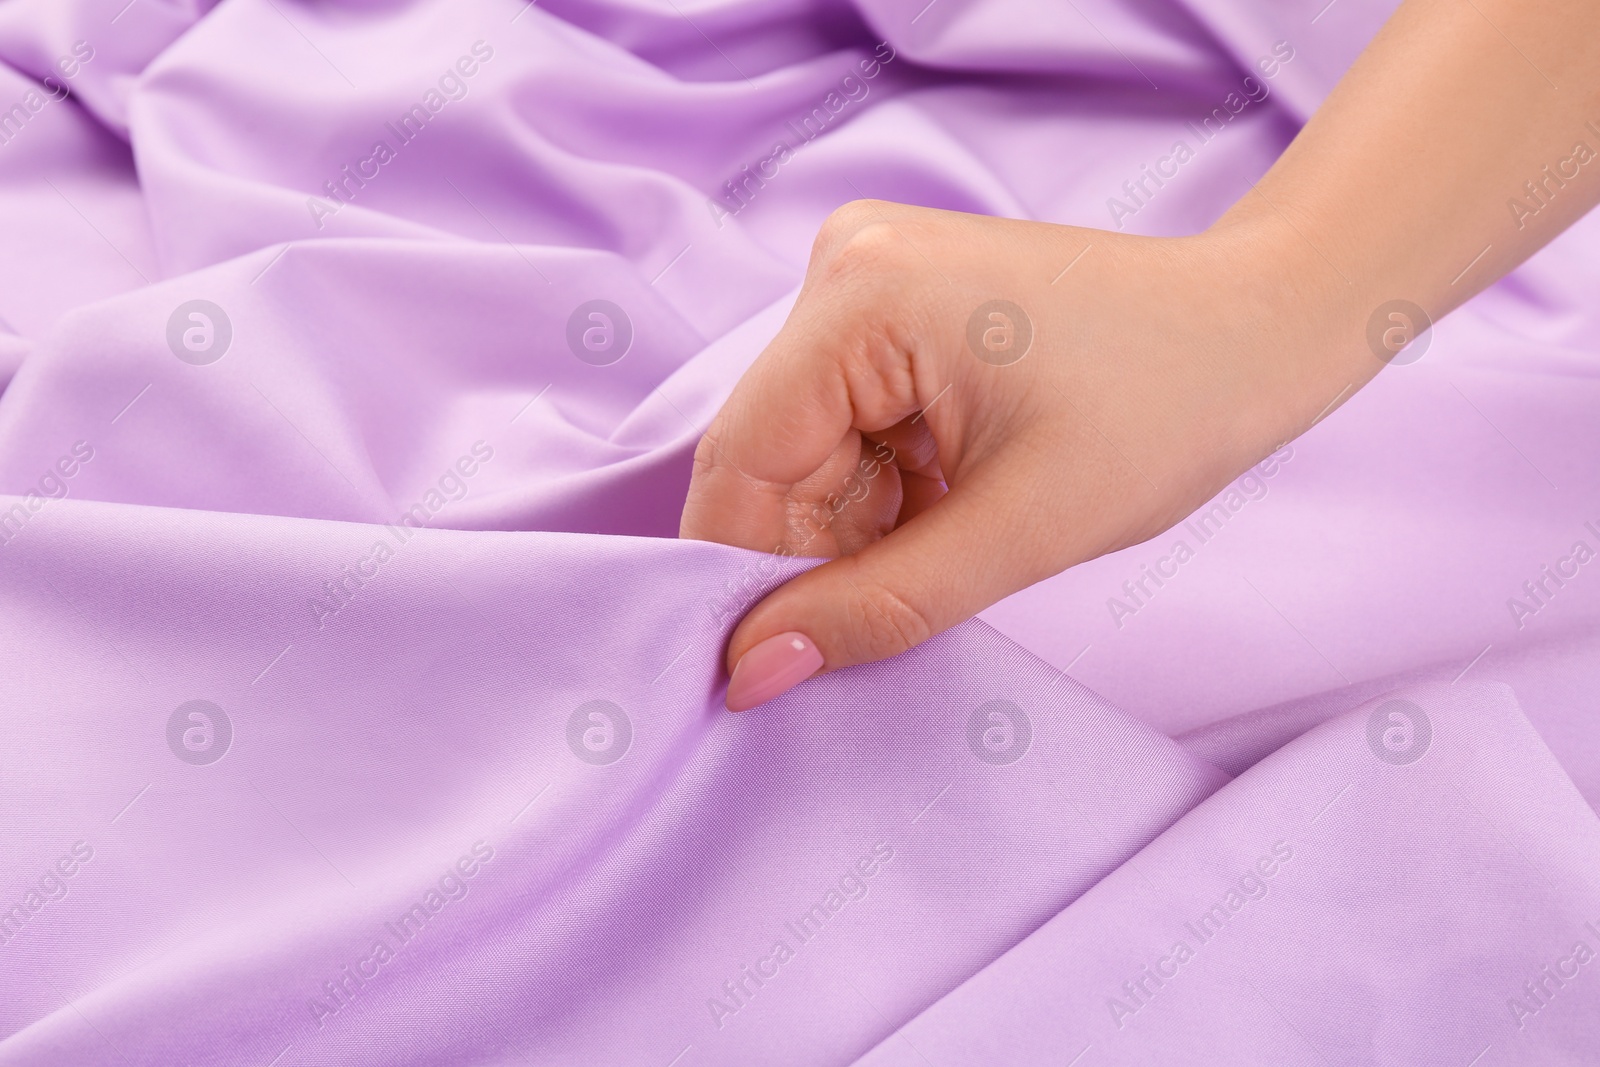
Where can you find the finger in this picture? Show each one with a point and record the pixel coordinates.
(918, 494)
(975, 547)
(833, 367)
(910, 445)
(849, 502)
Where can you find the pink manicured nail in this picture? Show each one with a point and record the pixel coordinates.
(772, 668)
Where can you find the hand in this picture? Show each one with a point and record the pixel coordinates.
(946, 450)
(1126, 379)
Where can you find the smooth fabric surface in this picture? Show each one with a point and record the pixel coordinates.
(360, 706)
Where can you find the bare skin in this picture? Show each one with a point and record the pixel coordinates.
(1159, 368)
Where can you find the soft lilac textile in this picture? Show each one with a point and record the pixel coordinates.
(361, 709)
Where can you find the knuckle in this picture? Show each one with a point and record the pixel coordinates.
(705, 453)
(917, 450)
(871, 250)
(887, 623)
(843, 221)
(855, 239)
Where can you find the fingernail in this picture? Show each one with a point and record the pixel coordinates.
(772, 668)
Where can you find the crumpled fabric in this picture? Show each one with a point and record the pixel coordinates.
(361, 706)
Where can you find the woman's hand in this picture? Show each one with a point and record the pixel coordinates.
(1077, 391)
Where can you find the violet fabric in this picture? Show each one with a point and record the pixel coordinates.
(362, 708)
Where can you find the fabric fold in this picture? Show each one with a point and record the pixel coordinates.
(1414, 881)
(863, 843)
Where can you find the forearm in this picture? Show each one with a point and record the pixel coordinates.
(1465, 137)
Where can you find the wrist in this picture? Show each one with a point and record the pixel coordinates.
(1305, 324)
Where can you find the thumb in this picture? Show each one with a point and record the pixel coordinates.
(958, 557)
